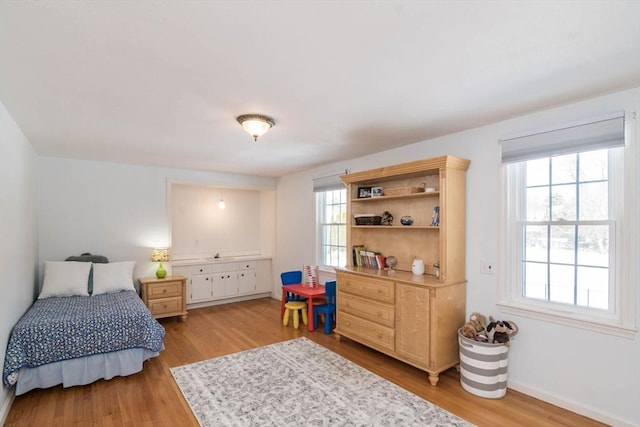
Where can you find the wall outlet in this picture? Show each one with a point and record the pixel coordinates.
(486, 267)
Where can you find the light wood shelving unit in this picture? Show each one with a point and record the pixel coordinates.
(412, 318)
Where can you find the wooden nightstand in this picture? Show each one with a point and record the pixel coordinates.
(165, 297)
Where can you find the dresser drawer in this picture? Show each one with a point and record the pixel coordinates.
(200, 269)
(377, 335)
(372, 288)
(224, 267)
(165, 305)
(247, 265)
(366, 309)
(171, 288)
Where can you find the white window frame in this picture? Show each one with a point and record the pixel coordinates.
(620, 319)
(321, 202)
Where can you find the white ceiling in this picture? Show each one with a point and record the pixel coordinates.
(160, 83)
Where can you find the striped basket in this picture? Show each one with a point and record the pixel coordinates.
(483, 367)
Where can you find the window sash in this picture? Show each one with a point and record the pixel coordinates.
(620, 320)
(330, 234)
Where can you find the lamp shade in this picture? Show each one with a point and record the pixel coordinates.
(160, 254)
(256, 125)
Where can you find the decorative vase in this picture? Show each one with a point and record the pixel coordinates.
(417, 267)
(406, 220)
(161, 273)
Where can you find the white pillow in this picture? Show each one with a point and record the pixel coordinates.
(65, 278)
(113, 277)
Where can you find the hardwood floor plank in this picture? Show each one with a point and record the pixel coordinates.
(152, 398)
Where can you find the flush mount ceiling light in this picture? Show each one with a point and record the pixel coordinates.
(256, 125)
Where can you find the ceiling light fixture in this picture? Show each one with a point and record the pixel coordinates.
(256, 125)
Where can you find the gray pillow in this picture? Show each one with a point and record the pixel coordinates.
(87, 257)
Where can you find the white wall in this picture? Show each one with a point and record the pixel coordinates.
(199, 228)
(119, 211)
(591, 373)
(18, 234)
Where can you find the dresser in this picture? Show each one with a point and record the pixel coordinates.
(165, 297)
(411, 318)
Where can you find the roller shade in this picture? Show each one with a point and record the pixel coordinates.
(329, 182)
(604, 132)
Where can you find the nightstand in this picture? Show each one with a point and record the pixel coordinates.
(165, 297)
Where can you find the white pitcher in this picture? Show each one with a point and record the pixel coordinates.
(417, 267)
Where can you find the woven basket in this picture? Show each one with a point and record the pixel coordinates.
(401, 191)
(368, 219)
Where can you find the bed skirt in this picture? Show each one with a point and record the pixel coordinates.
(83, 370)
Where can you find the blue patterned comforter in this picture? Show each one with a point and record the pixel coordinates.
(62, 328)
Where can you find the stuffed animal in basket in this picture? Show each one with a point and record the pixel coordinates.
(500, 331)
(478, 321)
(475, 328)
(468, 331)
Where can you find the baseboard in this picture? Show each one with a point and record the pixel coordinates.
(6, 406)
(570, 405)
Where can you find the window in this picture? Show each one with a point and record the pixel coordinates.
(332, 227)
(567, 219)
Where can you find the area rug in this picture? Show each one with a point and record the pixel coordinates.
(299, 382)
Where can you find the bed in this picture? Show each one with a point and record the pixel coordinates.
(75, 335)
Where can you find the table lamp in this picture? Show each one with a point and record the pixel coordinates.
(160, 255)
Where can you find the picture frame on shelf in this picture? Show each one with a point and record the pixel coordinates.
(364, 192)
(377, 192)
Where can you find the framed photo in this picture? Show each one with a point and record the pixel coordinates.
(376, 192)
(364, 192)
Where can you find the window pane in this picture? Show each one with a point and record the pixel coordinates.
(563, 203)
(538, 172)
(594, 165)
(535, 285)
(563, 169)
(562, 244)
(538, 204)
(561, 283)
(535, 243)
(593, 287)
(594, 201)
(593, 245)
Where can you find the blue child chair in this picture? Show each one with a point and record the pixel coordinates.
(292, 278)
(328, 309)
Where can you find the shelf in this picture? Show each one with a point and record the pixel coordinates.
(403, 196)
(404, 227)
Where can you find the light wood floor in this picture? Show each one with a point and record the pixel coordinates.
(151, 397)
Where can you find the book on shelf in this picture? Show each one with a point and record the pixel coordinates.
(435, 216)
(370, 259)
(356, 253)
(367, 259)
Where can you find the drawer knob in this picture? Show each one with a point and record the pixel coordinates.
(164, 291)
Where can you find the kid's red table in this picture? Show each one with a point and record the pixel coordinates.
(308, 292)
